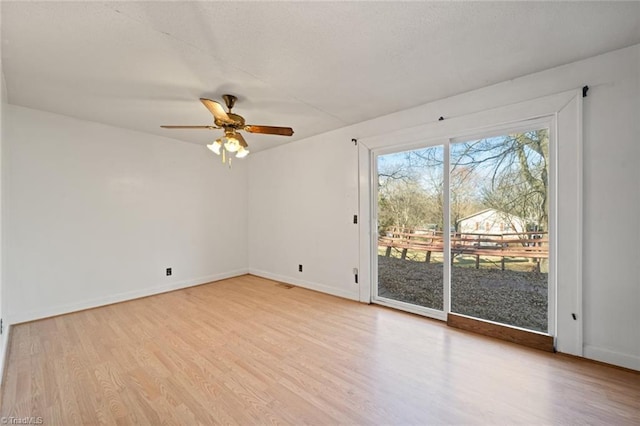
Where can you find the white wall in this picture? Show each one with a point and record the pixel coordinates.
(3, 94)
(94, 214)
(301, 202)
(309, 221)
(611, 254)
(4, 339)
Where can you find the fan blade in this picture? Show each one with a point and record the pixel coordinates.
(270, 130)
(240, 138)
(190, 127)
(216, 109)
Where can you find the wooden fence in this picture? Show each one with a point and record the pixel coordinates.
(530, 245)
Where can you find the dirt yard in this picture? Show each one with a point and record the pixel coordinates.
(509, 297)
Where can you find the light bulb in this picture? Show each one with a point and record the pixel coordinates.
(232, 144)
(215, 146)
(242, 152)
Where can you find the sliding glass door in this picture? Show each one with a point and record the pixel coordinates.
(473, 240)
(410, 213)
(499, 210)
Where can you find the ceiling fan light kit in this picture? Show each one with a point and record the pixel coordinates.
(227, 144)
(232, 141)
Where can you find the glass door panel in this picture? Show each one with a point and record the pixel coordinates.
(499, 198)
(410, 227)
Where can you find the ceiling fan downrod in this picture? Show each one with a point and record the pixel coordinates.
(230, 101)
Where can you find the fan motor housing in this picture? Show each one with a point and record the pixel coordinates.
(238, 122)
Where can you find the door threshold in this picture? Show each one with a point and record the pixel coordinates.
(532, 339)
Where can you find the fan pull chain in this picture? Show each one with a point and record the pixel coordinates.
(224, 151)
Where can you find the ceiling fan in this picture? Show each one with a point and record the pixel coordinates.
(231, 123)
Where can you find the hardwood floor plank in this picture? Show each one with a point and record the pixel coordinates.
(249, 351)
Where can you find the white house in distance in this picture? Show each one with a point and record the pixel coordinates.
(492, 221)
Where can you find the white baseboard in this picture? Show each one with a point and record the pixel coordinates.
(4, 355)
(20, 317)
(307, 284)
(612, 357)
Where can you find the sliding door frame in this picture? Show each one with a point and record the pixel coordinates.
(564, 112)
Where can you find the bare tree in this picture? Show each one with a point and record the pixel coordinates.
(507, 173)
(516, 171)
(409, 195)
(403, 204)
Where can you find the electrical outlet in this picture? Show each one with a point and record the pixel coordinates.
(299, 268)
(168, 272)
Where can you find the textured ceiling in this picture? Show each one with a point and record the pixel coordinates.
(313, 66)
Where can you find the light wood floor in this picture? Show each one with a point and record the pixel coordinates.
(250, 351)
